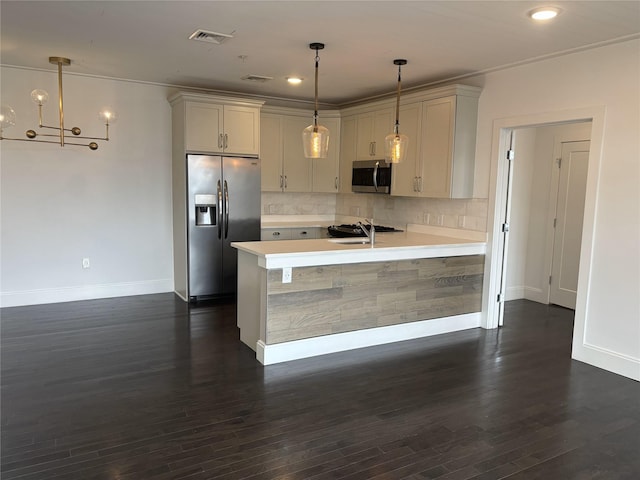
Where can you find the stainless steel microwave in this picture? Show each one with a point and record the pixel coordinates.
(371, 176)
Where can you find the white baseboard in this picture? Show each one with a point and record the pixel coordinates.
(609, 360)
(514, 293)
(528, 293)
(84, 292)
(340, 342)
(536, 295)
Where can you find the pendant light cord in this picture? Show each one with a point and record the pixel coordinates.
(397, 125)
(315, 112)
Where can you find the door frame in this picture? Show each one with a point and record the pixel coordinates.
(502, 129)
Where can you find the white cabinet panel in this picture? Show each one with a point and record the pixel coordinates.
(348, 140)
(405, 174)
(271, 152)
(219, 128)
(326, 171)
(297, 168)
(285, 168)
(203, 127)
(372, 128)
(241, 130)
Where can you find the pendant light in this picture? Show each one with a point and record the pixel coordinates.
(395, 144)
(315, 138)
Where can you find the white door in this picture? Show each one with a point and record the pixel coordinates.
(568, 224)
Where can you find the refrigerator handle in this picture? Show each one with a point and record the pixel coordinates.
(226, 209)
(219, 210)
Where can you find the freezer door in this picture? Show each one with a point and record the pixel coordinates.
(241, 214)
(204, 232)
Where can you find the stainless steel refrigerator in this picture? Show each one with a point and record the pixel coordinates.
(223, 205)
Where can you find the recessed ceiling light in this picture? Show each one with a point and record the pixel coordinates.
(544, 13)
(294, 80)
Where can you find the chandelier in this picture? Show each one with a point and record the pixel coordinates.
(40, 97)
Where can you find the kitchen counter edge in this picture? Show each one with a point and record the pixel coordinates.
(389, 247)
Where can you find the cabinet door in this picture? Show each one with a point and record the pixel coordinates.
(271, 152)
(364, 136)
(405, 174)
(372, 128)
(348, 136)
(383, 121)
(297, 168)
(203, 127)
(437, 147)
(326, 171)
(241, 130)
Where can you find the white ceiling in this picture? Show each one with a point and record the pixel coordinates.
(442, 40)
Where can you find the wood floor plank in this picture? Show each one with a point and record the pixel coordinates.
(152, 388)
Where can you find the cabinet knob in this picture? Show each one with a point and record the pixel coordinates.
(303, 233)
(275, 234)
(336, 183)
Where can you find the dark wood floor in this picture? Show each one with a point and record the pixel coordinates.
(146, 388)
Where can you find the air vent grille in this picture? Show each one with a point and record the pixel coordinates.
(256, 78)
(210, 37)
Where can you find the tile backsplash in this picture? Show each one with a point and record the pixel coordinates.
(468, 214)
(298, 203)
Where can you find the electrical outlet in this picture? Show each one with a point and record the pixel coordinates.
(86, 263)
(286, 275)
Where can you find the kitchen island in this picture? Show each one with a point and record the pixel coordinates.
(301, 298)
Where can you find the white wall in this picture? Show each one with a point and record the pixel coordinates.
(523, 167)
(607, 326)
(59, 205)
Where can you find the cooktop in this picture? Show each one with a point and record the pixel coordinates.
(353, 230)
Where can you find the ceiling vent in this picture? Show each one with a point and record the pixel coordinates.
(256, 78)
(211, 37)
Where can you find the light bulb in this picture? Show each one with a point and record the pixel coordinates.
(7, 116)
(39, 97)
(108, 116)
(294, 80)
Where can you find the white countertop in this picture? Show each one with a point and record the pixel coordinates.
(388, 247)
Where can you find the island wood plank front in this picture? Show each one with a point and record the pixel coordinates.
(329, 300)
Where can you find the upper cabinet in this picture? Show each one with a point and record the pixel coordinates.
(348, 141)
(445, 159)
(372, 128)
(213, 124)
(441, 126)
(284, 166)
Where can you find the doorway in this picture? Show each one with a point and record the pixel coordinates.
(547, 206)
(499, 199)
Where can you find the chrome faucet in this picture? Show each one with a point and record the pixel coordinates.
(369, 232)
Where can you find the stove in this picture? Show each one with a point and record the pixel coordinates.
(353, 230)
